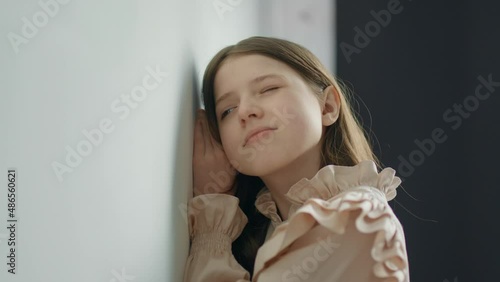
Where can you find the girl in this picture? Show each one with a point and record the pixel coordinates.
(285, 182)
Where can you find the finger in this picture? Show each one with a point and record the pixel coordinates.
(213, 143)
(199, 139)
(209, 148)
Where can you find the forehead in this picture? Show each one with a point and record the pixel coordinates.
(240, 70)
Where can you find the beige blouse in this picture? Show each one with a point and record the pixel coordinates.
(340, 228)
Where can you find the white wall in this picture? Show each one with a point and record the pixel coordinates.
(116, 211)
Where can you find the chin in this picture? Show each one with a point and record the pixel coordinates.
(262, 165)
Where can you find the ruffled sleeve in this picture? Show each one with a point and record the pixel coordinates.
(340, 228)
(215, 221)
(332, 180)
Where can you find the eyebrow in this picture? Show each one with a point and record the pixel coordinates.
(253, 81)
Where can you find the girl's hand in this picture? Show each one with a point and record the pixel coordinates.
(212, 171)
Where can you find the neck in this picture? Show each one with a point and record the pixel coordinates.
(279, 182)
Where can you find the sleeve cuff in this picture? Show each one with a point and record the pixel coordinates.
(217, 242)
(213, 215)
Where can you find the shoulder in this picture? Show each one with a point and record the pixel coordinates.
(342, 215)
(340, 237)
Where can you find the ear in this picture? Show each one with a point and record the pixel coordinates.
(330, 106)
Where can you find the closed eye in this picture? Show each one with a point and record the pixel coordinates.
(224, 113)
(269, 89)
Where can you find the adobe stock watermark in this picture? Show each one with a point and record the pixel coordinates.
(48, 9)
(372, 29)
(121, 277)
(301, 271)
(220, 180)
(223, 6)
(453, 116)
(122, 107)
(454, 279)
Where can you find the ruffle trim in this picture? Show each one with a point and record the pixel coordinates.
(328, 182)
(374, 215)
(266, 206)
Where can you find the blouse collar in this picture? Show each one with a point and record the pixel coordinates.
(328, 182)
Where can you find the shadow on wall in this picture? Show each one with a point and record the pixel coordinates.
(182, 191)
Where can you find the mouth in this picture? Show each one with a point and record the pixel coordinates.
(256, 134)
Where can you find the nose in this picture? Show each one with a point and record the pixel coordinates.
(249, 108)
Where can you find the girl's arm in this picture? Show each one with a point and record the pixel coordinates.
(215, 221)
(214, 217)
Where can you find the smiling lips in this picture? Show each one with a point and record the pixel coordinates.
(256, 133)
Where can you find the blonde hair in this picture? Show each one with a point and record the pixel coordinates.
(345, 141)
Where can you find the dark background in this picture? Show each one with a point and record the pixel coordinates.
(413, 71)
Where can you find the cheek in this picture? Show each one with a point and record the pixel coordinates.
(224, 140)
(229, 143)
(306, 125)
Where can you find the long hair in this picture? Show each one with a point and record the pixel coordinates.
(345, 142)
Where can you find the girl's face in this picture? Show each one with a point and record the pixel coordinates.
(266, 93)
